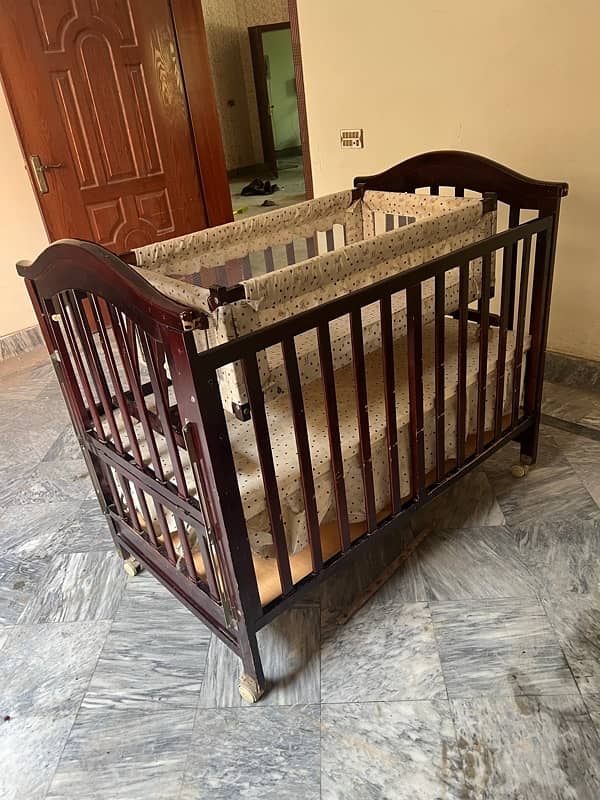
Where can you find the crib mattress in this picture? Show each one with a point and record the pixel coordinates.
(283, 444)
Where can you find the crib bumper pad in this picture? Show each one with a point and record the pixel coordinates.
(363, 253)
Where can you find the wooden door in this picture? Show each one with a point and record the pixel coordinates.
(97, 95)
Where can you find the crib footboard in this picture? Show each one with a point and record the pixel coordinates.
(121, 352)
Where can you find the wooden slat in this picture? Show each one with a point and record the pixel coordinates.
(246, 267)
(166, 533)
(329, 239)
(301, 433)
(522, 313)
(110, 482)
(267, 468)
(269, 261)
(333, 432)
(146, 515)
(414, 340)
(440, 375)
(126, 489)
(123, 348)
(100, 312)
(362, 411)
(161, 398)
(389, 383)
(461, 392)
(290, 253)
(76, 357)
(507, 279)
(95, 368)
(187, 551)
(514, 217)
(484, 328)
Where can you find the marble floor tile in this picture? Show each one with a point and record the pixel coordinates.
(473, 563)
(592, 702)
(550, 489)
(469, 503)
(154, 656)
(35, 532)
(30, 748)
(46, 668)
(289, 649)
(341, 589)
(563, 555)
(24, 443)
(78, 586)
(116, 756)
(404, 751)
(19, 582)
(87, 531)
(493, 647)
(583, 455)
(569, 402)
(48, 482)
(385, 653)
(65, 447)
(4, 631)
(530, 748)
(258, 753)
(576, 621)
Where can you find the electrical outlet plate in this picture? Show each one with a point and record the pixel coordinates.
(351, 138)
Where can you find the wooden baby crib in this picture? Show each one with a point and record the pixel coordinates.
(184, 482)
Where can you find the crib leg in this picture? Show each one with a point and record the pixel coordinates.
(252, 680)
(529, 448)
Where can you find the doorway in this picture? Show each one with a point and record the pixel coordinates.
(255, 56)
(275, 84)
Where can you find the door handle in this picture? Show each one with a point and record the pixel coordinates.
(39, 168)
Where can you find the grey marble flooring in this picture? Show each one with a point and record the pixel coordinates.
(473, 674)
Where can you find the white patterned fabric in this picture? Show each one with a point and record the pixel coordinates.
(358, 253)
(283, 444)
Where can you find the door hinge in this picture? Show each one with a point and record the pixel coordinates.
(231, 620)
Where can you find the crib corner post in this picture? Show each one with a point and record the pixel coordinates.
(251, 684)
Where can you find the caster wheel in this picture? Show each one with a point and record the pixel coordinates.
(519, 470)
(132, 567)
(249, 689)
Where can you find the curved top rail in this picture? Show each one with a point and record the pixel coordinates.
(88, 267)
(468, 171)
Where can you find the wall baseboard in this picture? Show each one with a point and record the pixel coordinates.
(572, 371)
(14, 344)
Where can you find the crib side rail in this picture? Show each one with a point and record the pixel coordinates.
(121, 353)
(509, 396)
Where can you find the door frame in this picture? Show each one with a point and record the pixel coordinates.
(263, 103)
(199, 90)
(300, 93)
(189, 30)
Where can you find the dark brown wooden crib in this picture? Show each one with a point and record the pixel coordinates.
(182, 481)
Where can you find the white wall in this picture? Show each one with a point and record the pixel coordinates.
(516, 81)
(22, 232)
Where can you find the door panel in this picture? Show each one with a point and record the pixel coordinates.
(96, 91)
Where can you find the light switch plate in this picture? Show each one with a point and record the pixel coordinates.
(351, 138)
